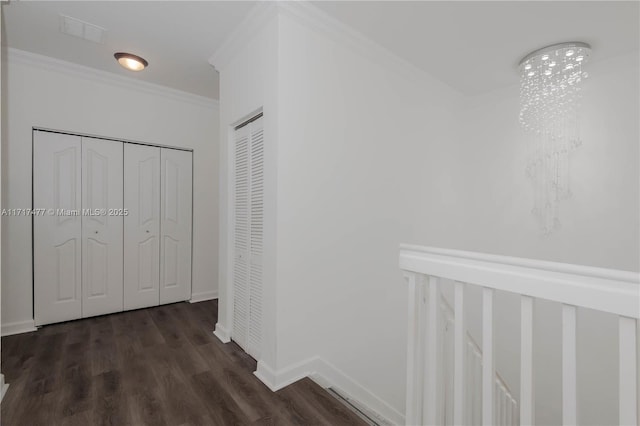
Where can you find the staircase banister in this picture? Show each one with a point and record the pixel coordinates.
(448, 311)
(607, 290)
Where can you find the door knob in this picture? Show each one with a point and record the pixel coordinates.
(147, 231)
(96, 232)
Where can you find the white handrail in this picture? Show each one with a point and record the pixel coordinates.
(568, 268)
(606, 290)
(574, 286)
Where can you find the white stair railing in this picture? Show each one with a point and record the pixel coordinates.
(506, 406)
(611, 291)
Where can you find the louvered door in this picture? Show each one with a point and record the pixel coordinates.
(241, 239)
(248, 237)
(256, 220)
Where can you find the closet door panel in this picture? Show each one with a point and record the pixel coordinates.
(241, 235)
(57, 232)
(175, 216)
(141, 226)
(248, 237)
(102, 226)
(256, 225)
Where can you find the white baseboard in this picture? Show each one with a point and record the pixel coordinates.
(18, 327)
(202, 296)
(266, 375)
(282, 378)
(222, 333)
(327, 373)
(3, 386)
(328, 376)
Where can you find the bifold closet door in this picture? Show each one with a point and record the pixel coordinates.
(57, 238)
(102, 226)
(141, 226)
(175, 225)
(248, 237)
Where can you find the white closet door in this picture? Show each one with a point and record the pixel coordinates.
(102, 226)
(248, 237)
(57, 233)
(256, 214)
(175, 225)
(141, 226)
(241, 238)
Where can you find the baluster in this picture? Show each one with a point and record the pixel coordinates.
(431, 358)
(477, 406)
(504, 401)
(497, 397)
(569, 378)
(488, 361)
(412, 406)
(459, 352)
(421, 354)
(527, 404)
(470, 380)
(628, 397)
(498, 400)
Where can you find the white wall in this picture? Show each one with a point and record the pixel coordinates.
(362, 167)
(3, 51)
(371, 153)
(351, 142)
(367, 159)
(601, 222)
(51, 94)
(248, 84)
(600, 227)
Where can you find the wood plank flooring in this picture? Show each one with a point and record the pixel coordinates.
(156, 366)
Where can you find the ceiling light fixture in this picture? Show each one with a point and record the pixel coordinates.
(549, 105)
(130, 61)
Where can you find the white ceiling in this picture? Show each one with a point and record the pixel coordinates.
(472, 46)
(475, 46)
(176, 37)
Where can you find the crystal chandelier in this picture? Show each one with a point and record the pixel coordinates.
(550, 92)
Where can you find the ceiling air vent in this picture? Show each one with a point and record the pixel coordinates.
(77, 28)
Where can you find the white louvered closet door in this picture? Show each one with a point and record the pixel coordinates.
(248, 237)
(256, 220)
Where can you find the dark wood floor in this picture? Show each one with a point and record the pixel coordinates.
(156, 366)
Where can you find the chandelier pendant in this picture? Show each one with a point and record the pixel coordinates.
(550, 94)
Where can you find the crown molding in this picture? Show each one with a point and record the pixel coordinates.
(80, 71)
(312, 17)
(316, 19)
(255, 20)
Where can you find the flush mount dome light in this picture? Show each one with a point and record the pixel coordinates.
(130, 61)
